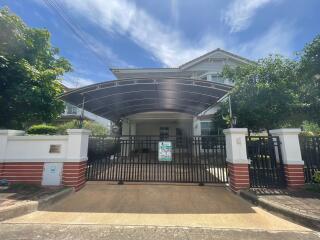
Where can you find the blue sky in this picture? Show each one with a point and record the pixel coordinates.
(97, 34)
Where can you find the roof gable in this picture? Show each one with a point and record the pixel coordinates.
(215, 54)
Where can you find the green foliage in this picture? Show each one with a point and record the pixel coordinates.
(276, 92)
(96, 128)
(310, 128)
(316, 177)
(309, 76)
(29, 74)
(265, 94)
(42, 129)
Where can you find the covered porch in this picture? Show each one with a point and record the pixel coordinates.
(162, 124)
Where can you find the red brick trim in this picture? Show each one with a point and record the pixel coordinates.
(238, 176)
(21, 172)
(1, 170)
(74, 174)
(294, 175)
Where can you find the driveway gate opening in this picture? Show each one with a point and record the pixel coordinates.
(200, 159)
(266, 166)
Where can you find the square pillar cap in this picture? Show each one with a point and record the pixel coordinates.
(285, 131)
(78, 132)
(9, 132)
(235, 131)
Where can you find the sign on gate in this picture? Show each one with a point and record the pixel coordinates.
(165, 151)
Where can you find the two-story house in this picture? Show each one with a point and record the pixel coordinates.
(161, 101)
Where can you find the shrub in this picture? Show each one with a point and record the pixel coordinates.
(96, 128)
(42, 129)
(310, 128)
(316, 177)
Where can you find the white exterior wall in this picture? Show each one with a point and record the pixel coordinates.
(153, 127)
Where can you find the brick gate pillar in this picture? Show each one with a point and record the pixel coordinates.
(238, 163)
(74, 168)
(291, 156)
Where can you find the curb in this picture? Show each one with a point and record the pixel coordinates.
(18, 210)
(51, 199)
(31, 206)
(297, 217)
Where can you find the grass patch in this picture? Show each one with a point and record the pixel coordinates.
(23, 188)
(313, 187)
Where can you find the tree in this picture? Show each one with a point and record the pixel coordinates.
(265, 95)
(29, 74)
(309, 76)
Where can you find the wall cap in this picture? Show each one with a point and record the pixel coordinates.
(78, 132)
(39, 138)
(285, 131)
(238, 161)
(294, 162)
(9, 132)
(236, 131)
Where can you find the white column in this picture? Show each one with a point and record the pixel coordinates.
(77, 150)
(125, 127)
(291, 156)
(236, 145)
(196, 127)
(132, 128)
(290, 146)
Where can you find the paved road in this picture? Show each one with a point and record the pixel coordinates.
(97, 232)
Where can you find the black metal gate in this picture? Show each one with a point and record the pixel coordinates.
(310, 151)
(200, 159)
(266, 166)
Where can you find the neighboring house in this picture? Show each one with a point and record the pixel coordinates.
(72, 112)
(162, 101)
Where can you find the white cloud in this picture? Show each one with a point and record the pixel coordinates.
(167, 45)
(240, 13)
(276, 40)
(71, 81)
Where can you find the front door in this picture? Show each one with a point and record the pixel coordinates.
(164, 133)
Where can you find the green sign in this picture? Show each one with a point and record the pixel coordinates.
(165, 151)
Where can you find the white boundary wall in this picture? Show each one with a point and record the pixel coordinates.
(17, 147)
(44, 159)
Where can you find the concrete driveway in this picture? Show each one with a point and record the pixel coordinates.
(158, 205)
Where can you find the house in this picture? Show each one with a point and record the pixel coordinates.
(72, 112)
(161, 101)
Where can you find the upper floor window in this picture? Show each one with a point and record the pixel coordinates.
(215, 77)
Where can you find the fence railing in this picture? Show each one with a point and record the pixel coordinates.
(266, 167)
(310, 151)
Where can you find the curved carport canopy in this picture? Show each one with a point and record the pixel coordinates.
(120, 98)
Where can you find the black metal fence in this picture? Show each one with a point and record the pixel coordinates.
(194, 159)
(266, 166)
(310, 151)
